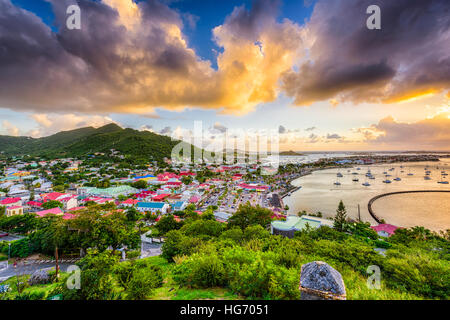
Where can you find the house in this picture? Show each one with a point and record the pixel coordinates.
(153, 207)
(69, 202)
(222, 216)
(294, 223)
(14, 210)
(179, 206)
(57, 211)
(129, 203)
(385, 230)
(11, 202)
(160, 197)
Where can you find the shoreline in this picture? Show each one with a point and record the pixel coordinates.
(371, 201)
(375, 218)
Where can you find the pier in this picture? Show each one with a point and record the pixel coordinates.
(371, 201)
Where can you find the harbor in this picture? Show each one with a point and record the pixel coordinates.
(320, 193)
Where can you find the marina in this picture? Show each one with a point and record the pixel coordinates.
(322, 190)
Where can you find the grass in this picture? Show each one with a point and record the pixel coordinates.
(172, 291)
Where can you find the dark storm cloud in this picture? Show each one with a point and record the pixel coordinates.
(409, 55)
(248, 23)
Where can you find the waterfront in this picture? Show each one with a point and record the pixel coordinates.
(318, 193)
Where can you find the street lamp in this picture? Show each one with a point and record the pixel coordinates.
(9, 251)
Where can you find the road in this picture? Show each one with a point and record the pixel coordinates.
(148, 250)
(5, 274)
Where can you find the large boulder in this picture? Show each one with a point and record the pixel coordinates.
(320, 281)
(41, 276)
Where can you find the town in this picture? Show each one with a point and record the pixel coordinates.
(125, 214)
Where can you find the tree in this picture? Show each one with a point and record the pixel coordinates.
(168, 223)
(96, 278)
(246, 215)
(340, 219)
(52, 204)
(140, 184)
(133, 215)
(186, 180)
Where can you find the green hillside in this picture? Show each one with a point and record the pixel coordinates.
(90, 140)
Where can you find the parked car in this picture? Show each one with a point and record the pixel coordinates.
(2, 235)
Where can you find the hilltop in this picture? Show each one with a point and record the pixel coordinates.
(91, 140)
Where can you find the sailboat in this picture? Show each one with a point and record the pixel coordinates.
(410, 173)
(442, 180)
(337, 183)
(366, 184)
(397, 178)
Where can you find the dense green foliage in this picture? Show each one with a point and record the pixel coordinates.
(79, 142)
(254, 264)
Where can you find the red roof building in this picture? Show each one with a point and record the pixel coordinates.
(160, 197)
(11, 202)
(56, 211)
(385, 230)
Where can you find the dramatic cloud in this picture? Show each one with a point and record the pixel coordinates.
(432, 133)
(310, 129)
(407, 58)
(281, 129)
(132, 57)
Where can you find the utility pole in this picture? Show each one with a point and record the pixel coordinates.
(56, 258)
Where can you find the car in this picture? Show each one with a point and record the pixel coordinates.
(2, 235)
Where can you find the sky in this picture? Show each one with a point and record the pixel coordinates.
(309, 71)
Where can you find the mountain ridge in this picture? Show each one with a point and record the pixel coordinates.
(89, 140)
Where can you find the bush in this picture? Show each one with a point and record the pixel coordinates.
(234, 234)
(143, 282)
(200, 271)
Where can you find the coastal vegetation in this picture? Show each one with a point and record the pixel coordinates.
(203, 258)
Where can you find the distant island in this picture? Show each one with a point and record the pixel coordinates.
(290, 153)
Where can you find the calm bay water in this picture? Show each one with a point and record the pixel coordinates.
(432, 210)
